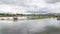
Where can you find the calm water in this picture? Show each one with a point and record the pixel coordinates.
(28, 26)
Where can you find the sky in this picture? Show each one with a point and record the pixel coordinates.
(29, 6)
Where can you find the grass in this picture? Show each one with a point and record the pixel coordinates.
(42, 17)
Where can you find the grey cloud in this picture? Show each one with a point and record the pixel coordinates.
(14, 2)
(27, 4)
(22, 3)
(40, 11)
(53, 1)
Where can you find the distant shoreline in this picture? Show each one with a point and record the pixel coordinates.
(27, 17)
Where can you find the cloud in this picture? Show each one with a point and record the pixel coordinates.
(12, 9)
(54, 7)
(20, 2)
(25, 6)
(52, 1)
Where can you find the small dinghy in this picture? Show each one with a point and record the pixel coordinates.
(15, 19)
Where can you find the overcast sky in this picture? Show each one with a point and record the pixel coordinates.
(30, 6)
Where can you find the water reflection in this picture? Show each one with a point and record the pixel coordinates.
(41, 26)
